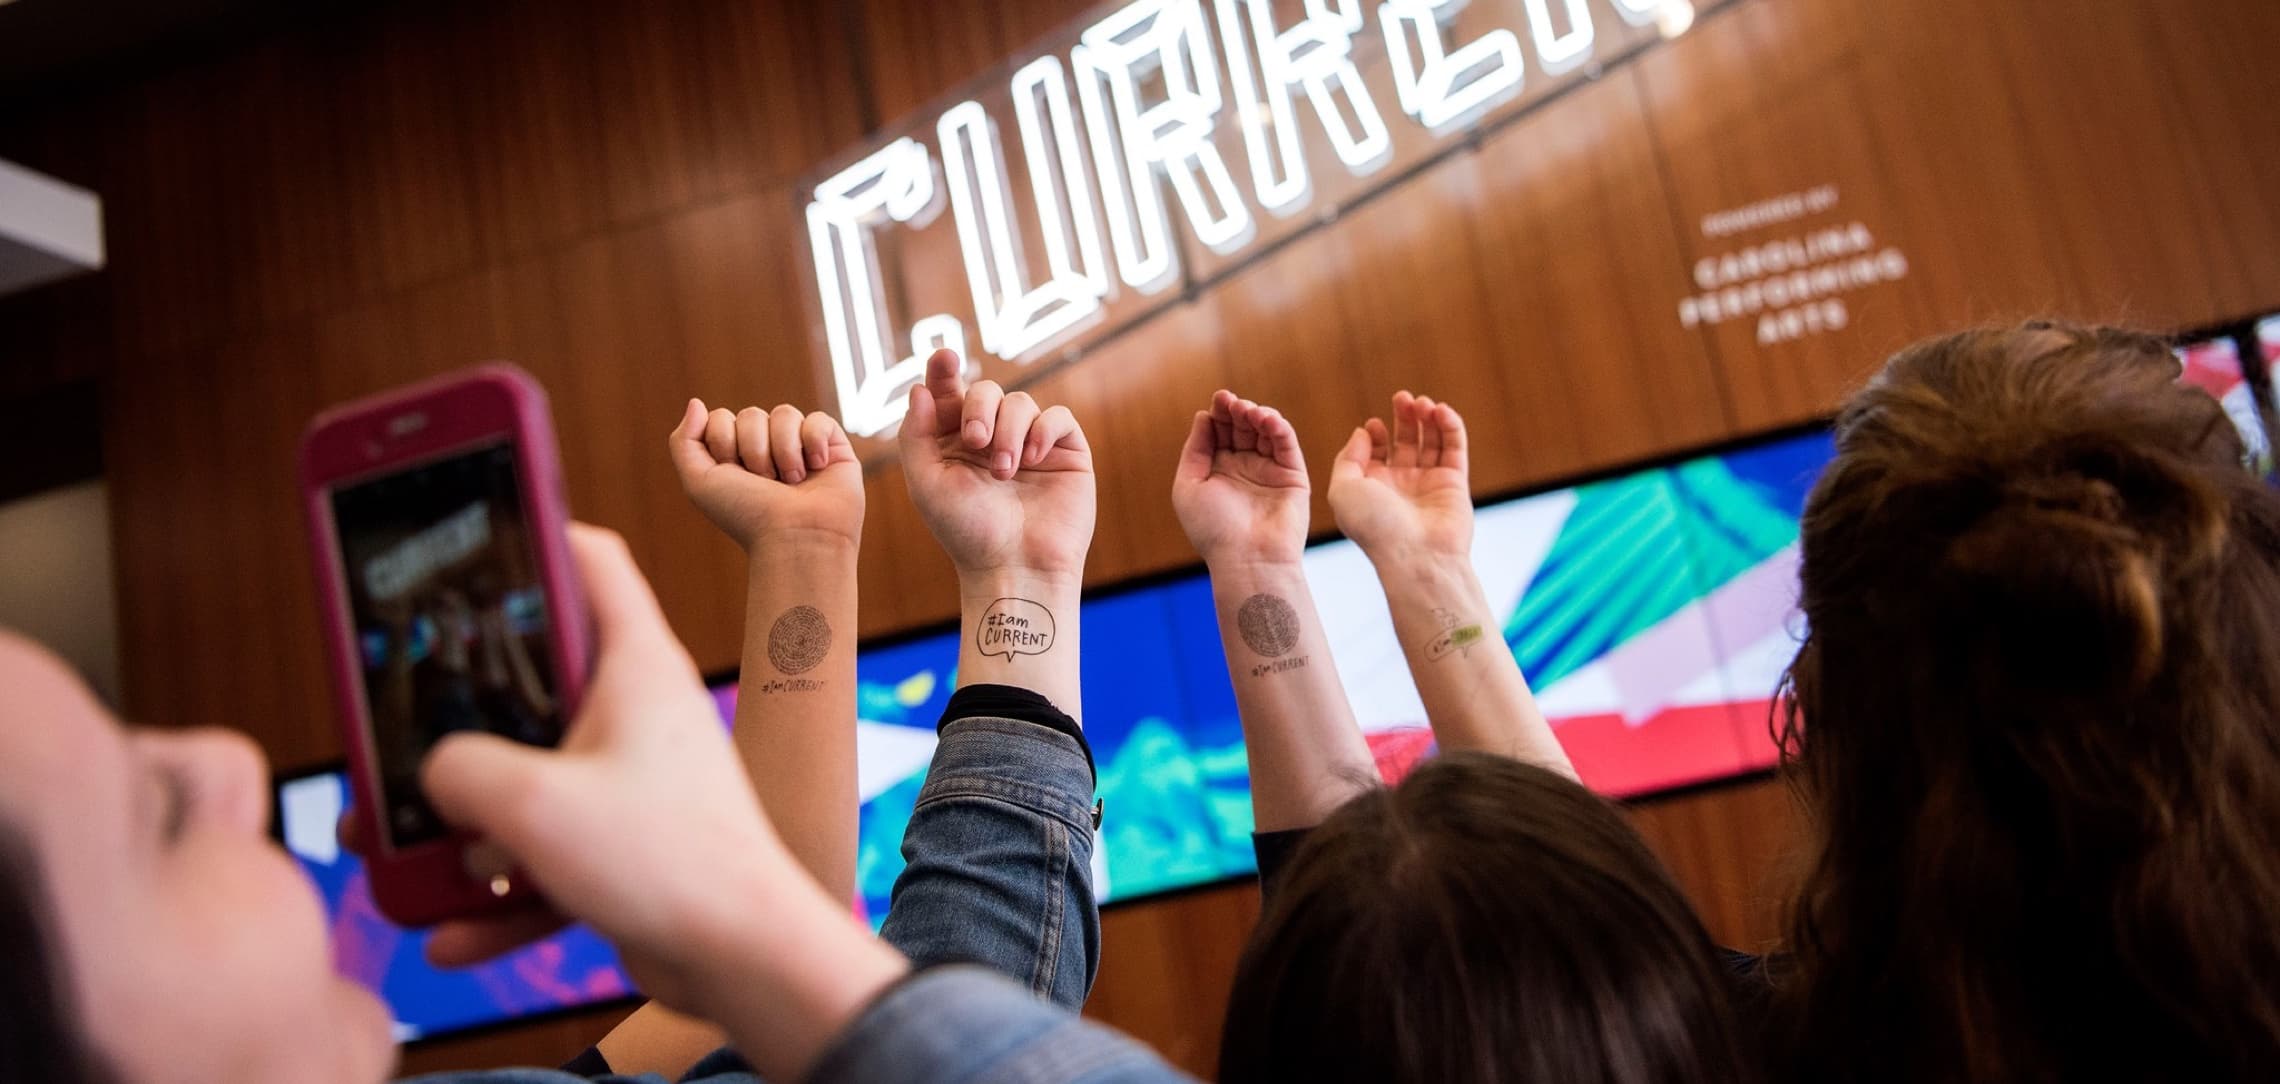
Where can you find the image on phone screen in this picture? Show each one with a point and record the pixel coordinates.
(450, 618)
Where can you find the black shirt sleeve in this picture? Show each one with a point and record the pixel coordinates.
(1014, 702)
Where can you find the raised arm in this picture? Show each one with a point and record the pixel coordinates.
(1241, 494)
(998, 847)
(1404, 495)
(786, 488)
(1007, 488)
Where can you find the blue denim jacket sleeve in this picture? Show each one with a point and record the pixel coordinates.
(999, 850)
(969, 1024)
(999, 874)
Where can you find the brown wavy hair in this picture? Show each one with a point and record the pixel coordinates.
(1486, 920)
(2036, 726)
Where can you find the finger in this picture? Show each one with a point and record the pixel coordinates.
(720, 435)
(752, 442)
(1451, 425)
(1009, 440)
(1057, 428)
(624, 608)
(1381, 442)
(503, 790)
(784, 443)
(1246, 426)
(1279, 439)
(1428, 432)
(1405, 442)
(687, 444)
(918, 434)
(978, 421)
(1195, 455)
(820, 440)
(1223, 419)
(464, 942)
(945, 374)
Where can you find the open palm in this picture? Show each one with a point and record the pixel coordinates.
(1241, 490)
(1002, 483)
(1407, 491)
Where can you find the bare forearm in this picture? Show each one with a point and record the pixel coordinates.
(1474, 693)
(1020, 628)
(795, 709)
(1307, 756)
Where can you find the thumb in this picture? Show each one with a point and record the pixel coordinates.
(687, 444)
(1195, 455)
(494, 787)
(1353, 457)
(920, 429)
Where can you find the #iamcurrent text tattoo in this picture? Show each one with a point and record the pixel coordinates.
(1014, 626)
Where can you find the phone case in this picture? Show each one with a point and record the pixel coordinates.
(429, 882)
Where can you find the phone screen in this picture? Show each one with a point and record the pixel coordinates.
(450, 618)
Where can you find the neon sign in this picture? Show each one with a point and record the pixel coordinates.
(1160, 143)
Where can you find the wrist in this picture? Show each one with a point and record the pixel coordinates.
(776, 544)
(1015, 582)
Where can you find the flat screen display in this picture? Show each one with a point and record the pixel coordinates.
(450, 618)
(1653, 613)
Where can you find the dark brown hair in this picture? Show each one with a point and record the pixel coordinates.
(38, 1037)
(2034, 726)
(1485, 920)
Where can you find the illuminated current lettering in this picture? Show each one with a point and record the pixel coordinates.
(1150, 42)
(1316, 54)
(897, 184)
(1135, 109)
(1014, 318)
(1439, 87)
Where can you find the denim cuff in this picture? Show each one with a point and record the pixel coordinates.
(1015, 702)
(958, 1022)
(1034, 767)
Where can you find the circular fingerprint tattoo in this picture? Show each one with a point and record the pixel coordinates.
(1268, 624)
(798, 640)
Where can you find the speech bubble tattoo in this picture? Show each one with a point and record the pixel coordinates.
(1014, 626)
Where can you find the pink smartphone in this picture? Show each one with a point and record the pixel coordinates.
(450, 603)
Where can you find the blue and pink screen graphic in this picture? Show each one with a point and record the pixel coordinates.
(1653, 613)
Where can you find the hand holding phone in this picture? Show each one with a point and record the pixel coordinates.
(450, 605)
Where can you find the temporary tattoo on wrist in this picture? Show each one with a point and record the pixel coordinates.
(1281, 665)
(1456, 636)
(799, 640)
(1014, 626)
(1268, 624)
(791, 685)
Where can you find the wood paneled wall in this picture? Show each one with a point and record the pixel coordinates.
(604, 193)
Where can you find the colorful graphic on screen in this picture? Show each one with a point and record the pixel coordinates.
(2214, 366)
(569, 969)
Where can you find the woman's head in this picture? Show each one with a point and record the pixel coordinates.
(1485, 920)
(2037, 719)
(176, 938)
